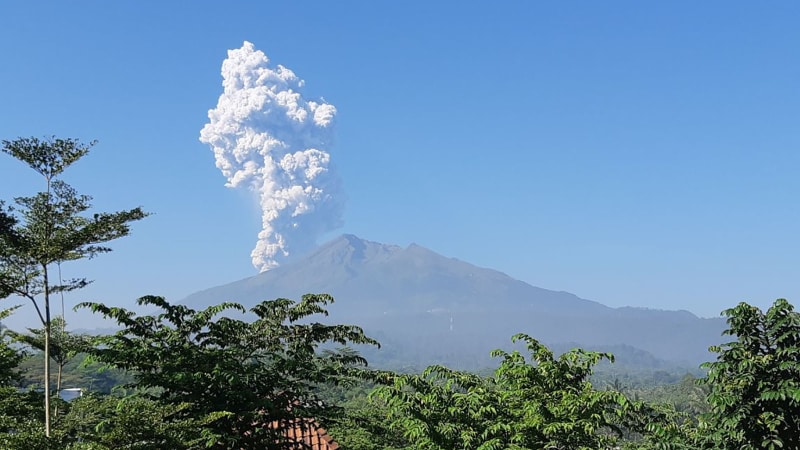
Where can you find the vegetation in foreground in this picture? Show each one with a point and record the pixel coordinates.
(200, 380)
(203, 379)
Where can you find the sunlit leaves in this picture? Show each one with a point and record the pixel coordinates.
(536, 402)
(251, 372)
(755, 380)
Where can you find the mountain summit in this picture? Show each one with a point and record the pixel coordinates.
(430, 308)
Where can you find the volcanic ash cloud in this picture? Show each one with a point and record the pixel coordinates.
(269, 139)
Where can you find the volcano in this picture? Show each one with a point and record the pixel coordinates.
(426, 308)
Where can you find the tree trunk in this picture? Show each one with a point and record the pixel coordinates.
(58, 378)
(46, 355)
(46, 281)
(58, 386)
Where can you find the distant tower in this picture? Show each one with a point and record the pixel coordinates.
(451, 323)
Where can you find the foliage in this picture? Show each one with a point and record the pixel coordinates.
(216, 382)
(666, 429)
(134, 422)
(22, 420)
(79, 372)
(755, 380)
(688, 396)
(64, 345)
(363, 426)
(48, 228)
(9, 356)
(254, 374)
(546, 402)
(96, 423)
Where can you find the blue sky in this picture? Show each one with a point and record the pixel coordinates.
(632, 153)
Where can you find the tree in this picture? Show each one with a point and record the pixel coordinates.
(21, 420)
(64, 345)
(755, 380)
(664, 429)
(253, 377)
(363, 426)
(96, 422)
(9, 356)
(544, 403)
(105, 422)
(50, 228)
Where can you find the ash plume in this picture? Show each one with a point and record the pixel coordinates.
(269, 139)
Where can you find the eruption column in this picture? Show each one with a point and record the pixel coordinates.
(269, 139)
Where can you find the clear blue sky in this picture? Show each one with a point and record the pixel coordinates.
(632, 153)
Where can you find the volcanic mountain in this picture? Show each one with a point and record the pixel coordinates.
(426, 308)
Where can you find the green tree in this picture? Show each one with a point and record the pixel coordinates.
(755, 380)
(64, 345)
(97, 422)
(50, 228)
(541, 403)
(254, 376)
(105, 422)
(664, 429)
(363, 425)
(9, 356)
(21, 420)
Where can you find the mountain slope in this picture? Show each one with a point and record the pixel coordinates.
(427, 308)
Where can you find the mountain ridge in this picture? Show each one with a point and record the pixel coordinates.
(448, 309)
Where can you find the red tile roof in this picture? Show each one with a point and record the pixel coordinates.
(308, 432)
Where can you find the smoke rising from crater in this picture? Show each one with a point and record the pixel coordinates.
(269, 139)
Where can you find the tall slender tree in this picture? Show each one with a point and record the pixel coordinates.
(49, 228)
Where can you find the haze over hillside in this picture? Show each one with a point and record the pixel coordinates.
(426, 308)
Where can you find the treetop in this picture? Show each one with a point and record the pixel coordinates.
(48, 156)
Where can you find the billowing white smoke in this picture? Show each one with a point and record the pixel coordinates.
(267, 138)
